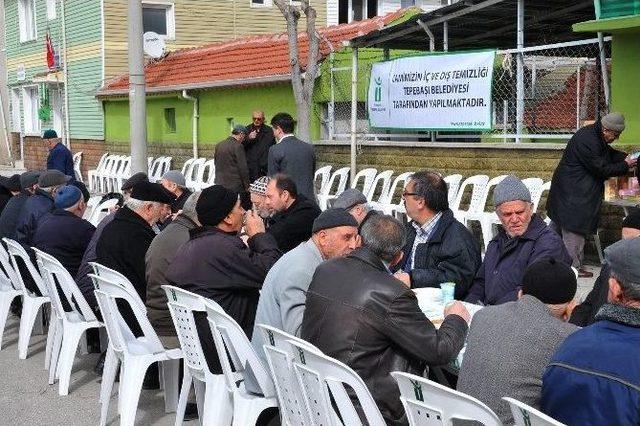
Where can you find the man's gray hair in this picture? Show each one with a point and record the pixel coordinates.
(135, 204)
(384, 236)
(630, 290)
(189, 208)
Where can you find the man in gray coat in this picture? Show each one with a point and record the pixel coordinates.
(292, 156)
(510, 345)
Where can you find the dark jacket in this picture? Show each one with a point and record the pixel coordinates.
(296, 159)
(293, 226)
(161, 252)
(231, 166)
(64, 236)
(34, 208)
(358, 313)
(500, 275)
(60, 158)
(85, 284)
(257, 150)
(11, 214)
(5, 197)
(585, 313)
(577, 186)
(450, 255)
(178, 203)
(594, 377)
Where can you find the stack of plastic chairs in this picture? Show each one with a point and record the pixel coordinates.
(339, 179)
(77, 161)
(93, 175)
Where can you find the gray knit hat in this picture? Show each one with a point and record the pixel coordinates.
(613, 121)
(622, 259)
(349, 198)
(510, 189)
(176, 177)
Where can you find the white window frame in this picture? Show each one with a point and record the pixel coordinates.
(267, 4)
(55, 96)
(16, 116)
(30, 109)
(51, 9)
(27, 34)
(170, 15)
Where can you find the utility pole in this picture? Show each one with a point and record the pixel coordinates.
(137, 92)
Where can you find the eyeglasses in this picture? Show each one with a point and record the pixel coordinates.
(258, 119)
(406, 194)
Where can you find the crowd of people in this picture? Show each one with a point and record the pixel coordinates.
(342, 279)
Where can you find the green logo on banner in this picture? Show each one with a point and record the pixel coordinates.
(417, 390)
(378, 89)
(301, 355)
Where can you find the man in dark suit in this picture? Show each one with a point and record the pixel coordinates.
(231, 165)
(291, 156)
(256, 146)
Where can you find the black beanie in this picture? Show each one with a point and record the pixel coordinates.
(550, 281)
(214, 204)
(632, 220)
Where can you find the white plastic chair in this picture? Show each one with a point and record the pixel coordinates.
(92, 175)
(187, 166)
(208, 175)
(386, 204)
(155, 171)
(31, 303)
(321, 178)
(453, 184)
(9, 289)
(123, 174)
(545, 188)
(535, 186)
(193, 177)
(382, 180)
(71, 325)
(77, 160)
(109, 172)
(91, 204)
(135, 353)
(367, 176)
(342, 177)
(477, 207)
(232, 344)
(478, 184)
(100, 211)
(215, 405)
(428, 403)
(525, 415)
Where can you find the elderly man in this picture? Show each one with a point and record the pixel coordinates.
(594, 377)
(439, 248)
(355, 203)
(358, 313)
(9, 187)
(59, 157)
(161, 252)
(258, 193)
(585, 313)
(502, 337)
(63, 233)
(523, 240)
(232, 171)
(11, 213)
(174, 182)
(294, 214)
(577, 186)
(256, 145)
(292, 156)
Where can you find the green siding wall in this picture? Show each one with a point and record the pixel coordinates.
(625, 90)
(85, 111)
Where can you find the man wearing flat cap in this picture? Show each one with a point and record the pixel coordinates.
(356, 204)
(577, 187)
(174, 182)
(232, 171)
(59, 158)
(215, 263)
(11, 213)
(594, 377)
(522, 240)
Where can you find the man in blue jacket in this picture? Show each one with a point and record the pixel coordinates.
(60, 157)
(594, 377)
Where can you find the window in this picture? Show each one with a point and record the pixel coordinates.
(51, 9)
(407, 3)
(16, 122)
(159, 18)
(30, 106)
(260, 3)
(170, 120)
(27, 19)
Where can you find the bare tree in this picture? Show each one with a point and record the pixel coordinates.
(302, 81)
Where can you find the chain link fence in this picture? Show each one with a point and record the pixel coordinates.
(564, 89)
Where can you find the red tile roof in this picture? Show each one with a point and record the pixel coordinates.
(243, 61)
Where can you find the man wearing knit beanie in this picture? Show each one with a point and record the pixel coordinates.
(509, 346)
(577, 187)
(523, 240)
(215, 263)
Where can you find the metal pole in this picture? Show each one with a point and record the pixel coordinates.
(520, 72)
(354, 110)
(604, 70)
(331, 107)
(505, 117)
(65, 70)
(137, 95)
(578, 98)
(445, 36)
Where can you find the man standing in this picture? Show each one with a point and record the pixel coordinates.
(60, 157)
(291, 156)
(11, 213)
(510, 345)
(293, 213)
(577, 186)
(232, 171)
(259, 139)
(523, 240)
(174, 182)
(439, 249)
(359, 314)
(594, 377)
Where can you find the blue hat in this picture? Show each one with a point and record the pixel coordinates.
(49, 134)
(67, 196)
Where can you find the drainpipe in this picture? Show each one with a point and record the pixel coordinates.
(66, 76)
(194, 124)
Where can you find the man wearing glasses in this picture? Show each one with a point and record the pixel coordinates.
(577, 186)
(256, 145)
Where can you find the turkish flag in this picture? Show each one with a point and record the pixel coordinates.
(51, 60)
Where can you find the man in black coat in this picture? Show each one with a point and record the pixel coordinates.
(9, 187)
(577, 186)
(232, 171)
(294, 214)
(358, 313)
(256, 146)
(439, 249)
(292, 156)
(11, 213)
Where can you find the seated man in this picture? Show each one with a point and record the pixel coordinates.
(293, 213)
(594, 377)
(11, 213)
(174, 182)
(358, 313)
(354, 201)
(585, 313)
(258, 195)
(439, 249)
(523, 240)
(510, 345)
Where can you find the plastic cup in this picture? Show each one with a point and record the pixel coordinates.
(448, 290)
